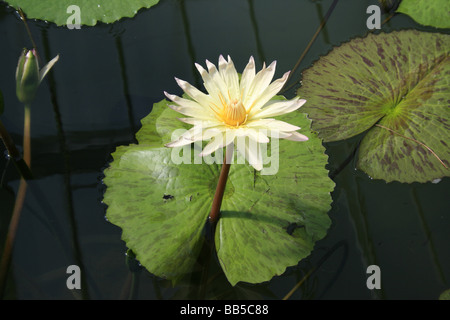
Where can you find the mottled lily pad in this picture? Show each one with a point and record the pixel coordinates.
(434, 13)
(268, 222)
(394, 87)
(91, 11)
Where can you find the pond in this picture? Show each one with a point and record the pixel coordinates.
(107, 79)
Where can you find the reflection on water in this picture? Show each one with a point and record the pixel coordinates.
(107, 79)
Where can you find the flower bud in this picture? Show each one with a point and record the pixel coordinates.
(27, 76)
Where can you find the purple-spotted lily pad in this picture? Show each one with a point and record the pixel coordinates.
(394, 87)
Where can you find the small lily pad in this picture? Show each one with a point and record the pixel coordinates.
(394, 87)
(268, 222)
(90, 11)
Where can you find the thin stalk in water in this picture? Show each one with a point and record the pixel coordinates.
(20, 199)
(321, 26)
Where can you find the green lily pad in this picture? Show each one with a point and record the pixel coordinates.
(429, 13)
(107, 11)
(268, 222)
(395, 88)
(445, 295)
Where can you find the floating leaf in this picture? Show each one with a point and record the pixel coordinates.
(268, 222)
(395, 88)
(429, 13)
(91, 12)
(445, 295)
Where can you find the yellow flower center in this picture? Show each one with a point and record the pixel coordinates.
(234, 113)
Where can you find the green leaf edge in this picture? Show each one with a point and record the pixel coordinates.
(61, 20)
(438, 21)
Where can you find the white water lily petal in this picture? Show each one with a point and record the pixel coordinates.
(202, 98)
(185, 139)
(205, 124)
(259, 136)
(230, 76)
(212, 132)
(295, 136)
(217, 82)
(215, 143)
(251, 152)
(208, 82)
(269, 93)
(220, 139)
(272, 124)
(277, 108)
(260, 83)
(198, 133)
(230, 136)
(186, 103)
(190, 112)
(247, 77)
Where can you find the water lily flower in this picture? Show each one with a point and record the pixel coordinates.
(235, 107)
(28, 75)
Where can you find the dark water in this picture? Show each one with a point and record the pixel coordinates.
(107, 79)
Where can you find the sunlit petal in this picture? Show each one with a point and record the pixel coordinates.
(272, 124)
(259, 84)
(230, 77)
(193, 92)
(295, 136)
(215, 143)
(247, 76)
(251, 152)
(277, 108)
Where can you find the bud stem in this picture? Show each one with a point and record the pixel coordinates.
(20, 199)
(217, 201)
(27, 136)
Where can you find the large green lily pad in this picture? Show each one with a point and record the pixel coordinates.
(91, 11)
(394, 87)
(268, 222)
(434, 13)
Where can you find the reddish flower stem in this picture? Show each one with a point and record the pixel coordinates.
(214, 215)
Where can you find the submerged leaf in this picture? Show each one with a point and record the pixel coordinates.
(90, 11)
(395, 88)
(268, 222)
(429, 13)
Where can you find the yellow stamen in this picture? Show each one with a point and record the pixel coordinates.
(234, 113)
